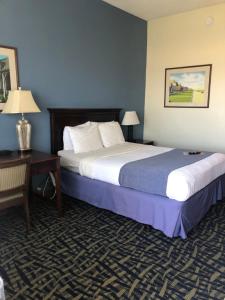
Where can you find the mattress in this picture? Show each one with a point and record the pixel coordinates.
(105, 165)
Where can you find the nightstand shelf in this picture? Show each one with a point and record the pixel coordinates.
(144, 142)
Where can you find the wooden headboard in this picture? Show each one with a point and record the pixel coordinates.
(61, 117)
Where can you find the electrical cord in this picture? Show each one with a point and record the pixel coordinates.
(45, 186)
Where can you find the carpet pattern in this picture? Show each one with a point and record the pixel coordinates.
(94, 254)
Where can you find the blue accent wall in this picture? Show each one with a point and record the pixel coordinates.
(73, 53)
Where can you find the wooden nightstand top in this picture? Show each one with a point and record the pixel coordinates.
(141, 141)
(35, 156)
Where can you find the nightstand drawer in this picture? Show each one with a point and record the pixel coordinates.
(43, 167)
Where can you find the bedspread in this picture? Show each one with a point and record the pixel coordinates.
(182, 182)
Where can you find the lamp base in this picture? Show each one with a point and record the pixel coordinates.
(23, 129)
(24, 151)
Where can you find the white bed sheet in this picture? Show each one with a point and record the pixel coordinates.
(116, 156)
(105, 165)
(129, 151)
(70, 160)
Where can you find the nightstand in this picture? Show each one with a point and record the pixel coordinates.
(140, 141)
(41, 163)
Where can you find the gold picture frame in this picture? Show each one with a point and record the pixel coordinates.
(9, 76)
(188, 87)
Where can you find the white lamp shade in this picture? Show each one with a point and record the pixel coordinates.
(20, 101)
(130, 118)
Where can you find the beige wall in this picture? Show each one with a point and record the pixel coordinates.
(184, 40)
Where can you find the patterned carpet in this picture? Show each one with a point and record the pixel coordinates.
(94, 254)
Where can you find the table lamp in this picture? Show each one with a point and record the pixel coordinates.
(130, 118)
(21, 101)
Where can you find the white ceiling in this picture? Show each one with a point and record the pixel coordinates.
(151, 9)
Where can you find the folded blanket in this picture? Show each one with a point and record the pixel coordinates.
(150, 175)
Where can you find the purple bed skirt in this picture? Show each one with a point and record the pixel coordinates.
(172, 217)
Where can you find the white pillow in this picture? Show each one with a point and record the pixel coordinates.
(101, 122)
(86, 138)
(111, 134)
(67, 143)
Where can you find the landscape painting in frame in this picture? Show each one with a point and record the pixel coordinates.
(8, 73)
(188, 86)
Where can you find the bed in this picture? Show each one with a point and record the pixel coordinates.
(174, 218)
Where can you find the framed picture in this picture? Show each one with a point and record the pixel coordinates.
(188, 86)
(9, 79)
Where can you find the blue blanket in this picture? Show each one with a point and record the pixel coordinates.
(150, 175)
